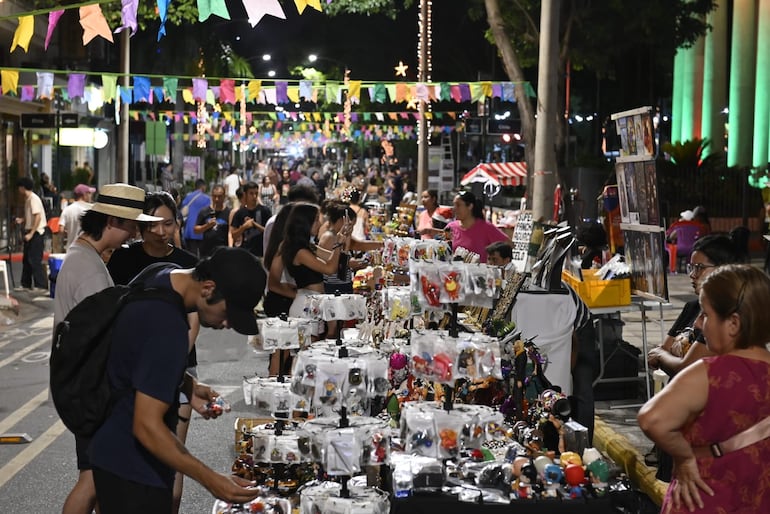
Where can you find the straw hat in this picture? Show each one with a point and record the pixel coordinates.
(122, 201)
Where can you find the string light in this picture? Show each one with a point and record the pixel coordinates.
(202, 123)
(427, 65)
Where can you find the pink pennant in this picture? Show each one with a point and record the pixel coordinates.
(53, 19)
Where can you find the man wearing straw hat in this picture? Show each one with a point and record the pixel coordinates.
(110, 222)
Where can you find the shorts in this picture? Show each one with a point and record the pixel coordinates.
(297, 310)
(276, 304)
(81, 450)
(193, 371)
(117, 495)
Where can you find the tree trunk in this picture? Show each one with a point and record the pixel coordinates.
(513, 70)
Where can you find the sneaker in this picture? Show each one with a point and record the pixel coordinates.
(22, 289)
(38, 290)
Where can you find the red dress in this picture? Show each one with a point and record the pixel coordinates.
(738, 397)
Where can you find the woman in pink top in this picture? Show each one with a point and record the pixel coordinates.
(425, 228)
(470, 230)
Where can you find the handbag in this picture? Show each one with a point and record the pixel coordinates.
(185, 211)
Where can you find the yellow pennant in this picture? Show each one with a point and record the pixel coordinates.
(10, 81)
(301, 4)
(23, 32)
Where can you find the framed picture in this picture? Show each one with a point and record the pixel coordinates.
(646, 254)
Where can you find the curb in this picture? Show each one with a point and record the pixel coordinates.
(620, 449)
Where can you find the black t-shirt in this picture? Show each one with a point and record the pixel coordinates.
(216, 236)
(686, 319)
(252, 237)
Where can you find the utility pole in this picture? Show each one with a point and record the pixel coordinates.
(545, 176)
(125, 69)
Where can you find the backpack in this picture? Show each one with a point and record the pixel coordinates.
(79, 384)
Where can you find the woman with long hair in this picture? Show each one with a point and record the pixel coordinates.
(470, 230)
(305, 262)
(268, 194)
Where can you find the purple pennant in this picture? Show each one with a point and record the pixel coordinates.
(200, 86)
(27, 93)
(497, 90)
(76, 85)
(354, 117)
(128, 16)
(465, 92)
(281, 97)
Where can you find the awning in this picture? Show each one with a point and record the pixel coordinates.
(502, 173)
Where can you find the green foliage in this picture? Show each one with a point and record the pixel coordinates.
(389, 8)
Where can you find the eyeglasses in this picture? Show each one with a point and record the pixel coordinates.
(697, 269)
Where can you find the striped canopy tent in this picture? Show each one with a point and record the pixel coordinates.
(498, 173)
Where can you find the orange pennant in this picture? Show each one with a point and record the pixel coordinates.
(93, 23)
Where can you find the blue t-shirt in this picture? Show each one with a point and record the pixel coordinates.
(197, 201)
(148, 354)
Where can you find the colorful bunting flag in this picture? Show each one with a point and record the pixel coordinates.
(45, 85)
(76, 85)
(169, 88)
(10, 81)
(128, 16)
(93, 23)
(23, 33)
(256, 9)
(208, 7)
(301, 4)
(254, 88)
(227, 91)
(53, 19)
(141, 89)
(162, 14)
(199, 89)
(27, 93)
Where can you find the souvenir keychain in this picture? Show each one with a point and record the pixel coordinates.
(430, 291)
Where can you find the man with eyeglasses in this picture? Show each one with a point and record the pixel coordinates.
(214, 222)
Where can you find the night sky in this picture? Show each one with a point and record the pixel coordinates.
(371, 46)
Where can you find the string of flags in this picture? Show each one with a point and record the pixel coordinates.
(274, 92)
(94, 24)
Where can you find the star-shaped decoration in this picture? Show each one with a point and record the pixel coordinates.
(401, 69)
(412, 103)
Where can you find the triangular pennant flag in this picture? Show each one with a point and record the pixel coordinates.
(280, 92)
(109, 86)
(293, 94)
(128, 16)
(508, 94)
(141, 89)
(187, 96)
(465, 92)
(354, 90)
(269, 96)
(455, 92)
(256, 9)
(380, 93)
(158, 93)
(446, 92)
(53, 19)
(76, 84)
(402, 90)
(95, 98)
(486, 89)
(125, 95)
(227, 91)
(93, 23)
(254, 88)
(210, 98)
(45, 85)
(477, 92)
(529, 90)
(23, 32)
(421, 92)
(199, 89)
(497, 90)
(301, 4)
(162, 14)
(306, 89)
(333, 93)
(10, 81)
(208, 7)
(27, 93)
(169, 88)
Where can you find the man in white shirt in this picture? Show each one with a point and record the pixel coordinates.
(34, 230)
(69, 221)
(232, 183)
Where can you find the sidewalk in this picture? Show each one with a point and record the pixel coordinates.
(617, 432)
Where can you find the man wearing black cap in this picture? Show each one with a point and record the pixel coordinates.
(134, 453)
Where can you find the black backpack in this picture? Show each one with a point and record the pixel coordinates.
(80, 387)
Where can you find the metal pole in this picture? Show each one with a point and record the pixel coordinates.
(125, 69)
(545, 177)
(422, 125)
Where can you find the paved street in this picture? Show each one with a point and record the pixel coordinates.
(36, 477)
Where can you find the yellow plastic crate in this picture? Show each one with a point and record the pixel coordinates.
(600, 293)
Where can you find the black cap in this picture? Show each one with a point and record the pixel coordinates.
(240, 279)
